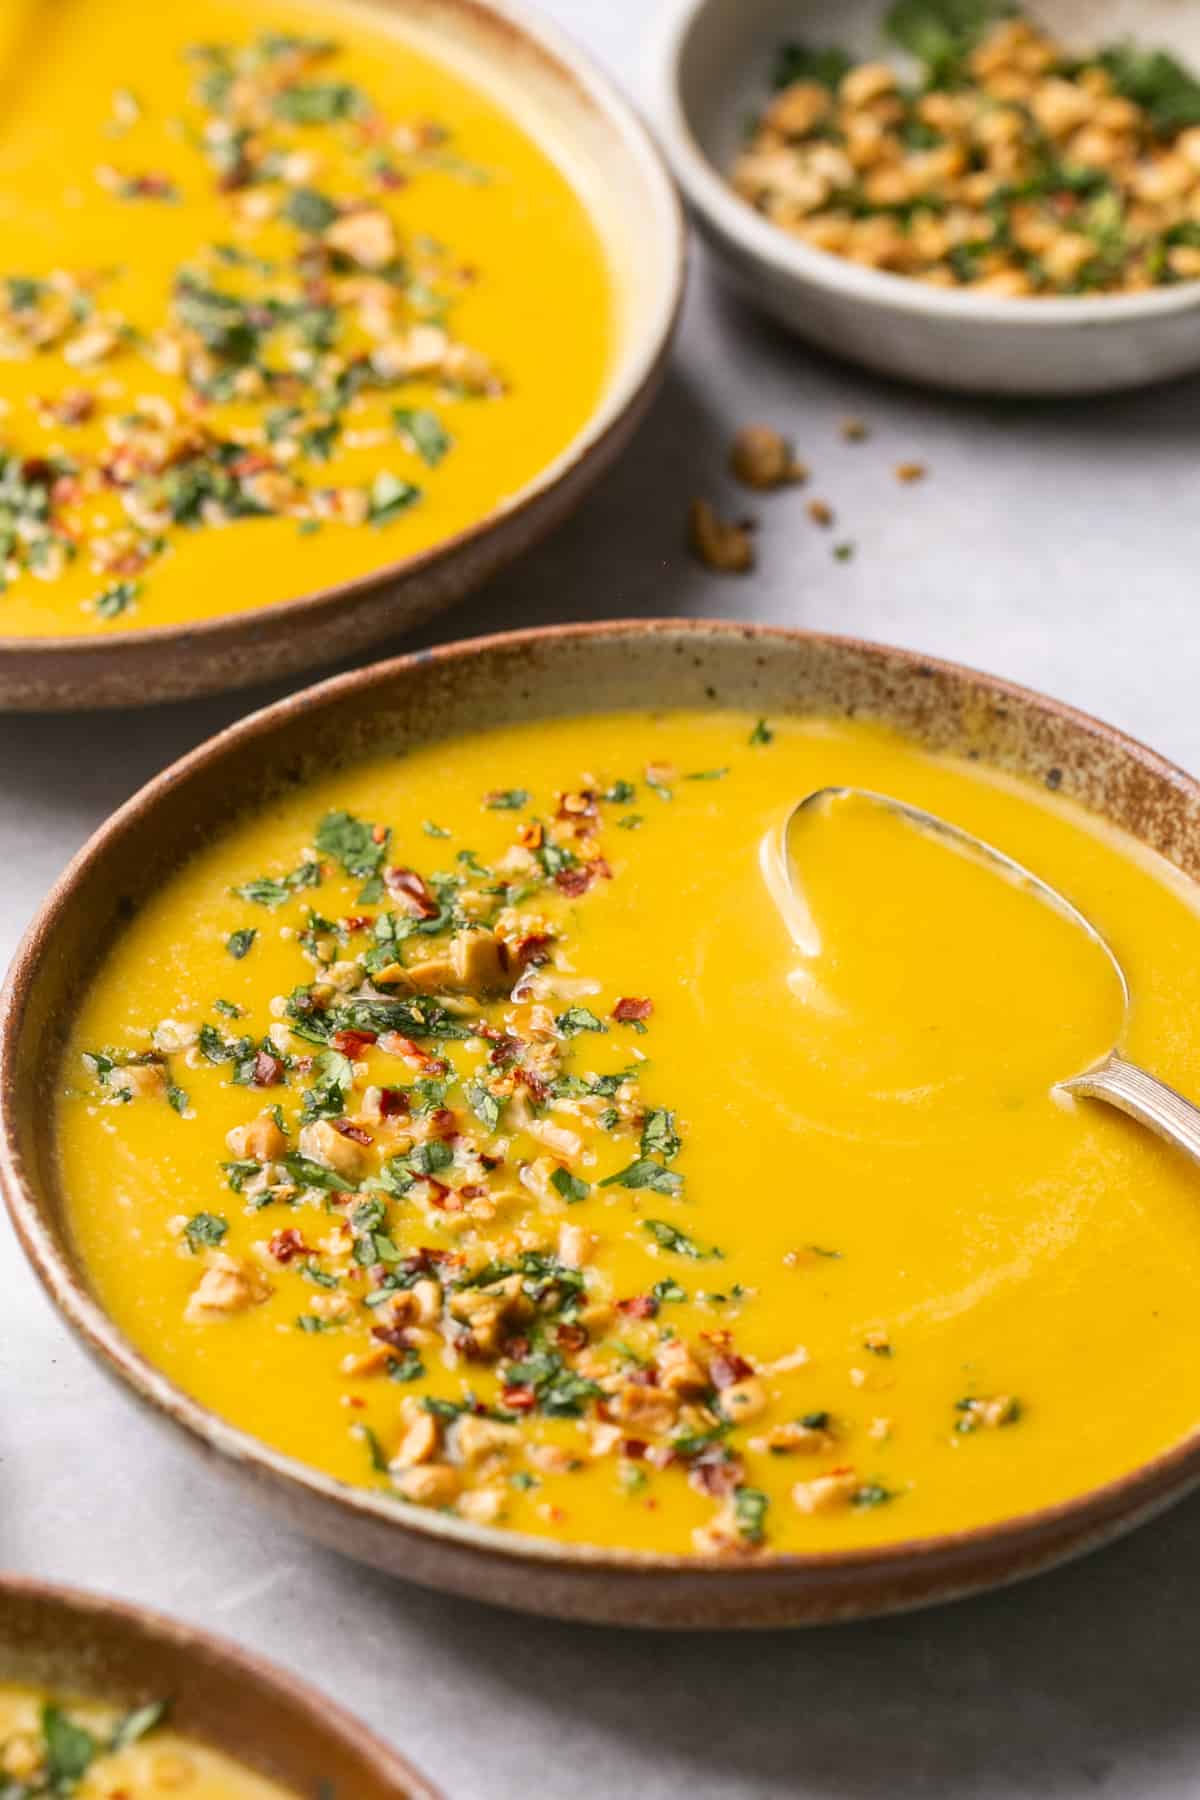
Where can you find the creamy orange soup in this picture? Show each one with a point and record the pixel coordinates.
(51, 1746)
(282, 300)
(471, 1125)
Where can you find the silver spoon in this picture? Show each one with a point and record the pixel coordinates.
(1121, 1083)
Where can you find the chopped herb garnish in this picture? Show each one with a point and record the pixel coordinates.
(577, 1019)
(669, 1237)
(205, 1230)
(424, 431)
(390, 496)
(570, 1186)
(646, 1173)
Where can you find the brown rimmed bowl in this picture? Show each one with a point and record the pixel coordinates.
(464, 687)
(88, 1647)
(576, 114)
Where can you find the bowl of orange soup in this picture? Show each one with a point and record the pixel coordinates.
(414, 1097)
(312, 314)
(106, 1700)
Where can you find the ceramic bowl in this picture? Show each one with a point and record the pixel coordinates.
(575, 113)
(708, 72)
(465, 687)
(85, 1646)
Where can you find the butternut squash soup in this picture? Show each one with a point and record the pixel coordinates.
(50, 1746)
(470, 1124)
(281, 301)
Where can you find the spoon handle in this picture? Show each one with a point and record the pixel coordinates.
(1150, 1101)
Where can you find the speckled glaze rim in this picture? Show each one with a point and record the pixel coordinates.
(91, 1646)
(167, 662)
(942, 705)
(715, 200)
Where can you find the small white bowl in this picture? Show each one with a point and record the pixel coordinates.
(709, 72)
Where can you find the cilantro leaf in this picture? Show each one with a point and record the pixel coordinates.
(669, 1237)
(353, 843)
(570, 1186)
(205, 1230)
(424, 431)
(577, 1019)
(750, 1513)
(659, 1135)
(70, 1750)
(138, 1724)
(646, 1173)
(388, 497)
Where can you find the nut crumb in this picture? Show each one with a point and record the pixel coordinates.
(761, 457)
(821, 513)
(909, 472)
(720, 543)
(855, 431)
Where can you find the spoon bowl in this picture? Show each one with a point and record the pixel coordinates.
(1113, 1078)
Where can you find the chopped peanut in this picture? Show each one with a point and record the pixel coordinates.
(723, 546)
(762, 458)
(226, 1286)
(261, 1140)
(826, 1491)
(325, 1144)
(429, 1484)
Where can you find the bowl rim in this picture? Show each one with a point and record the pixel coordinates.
(234, 1660)
(791, 259)
(1097, 1511)
(575, 68)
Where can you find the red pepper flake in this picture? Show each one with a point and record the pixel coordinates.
(74, 406)
(395, 1335)
(536, 1086)
(393, 1103)
(571, 1337)
(357, 922)
(715, 1472)
(268, 1070)
(379, 834)
(519, 1398)
(727, 1368)
(641, 1306)
(148, 187)
(515, 1349)
(285, 1245)
(254, 462)
(352, 1043)
(442, 1122)
(575, 880)
(628, 1010)
(534, 950)
(355, 1133)
(407, 886)
(633, 1448)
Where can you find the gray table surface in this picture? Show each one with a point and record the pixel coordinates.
(1057, 544)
